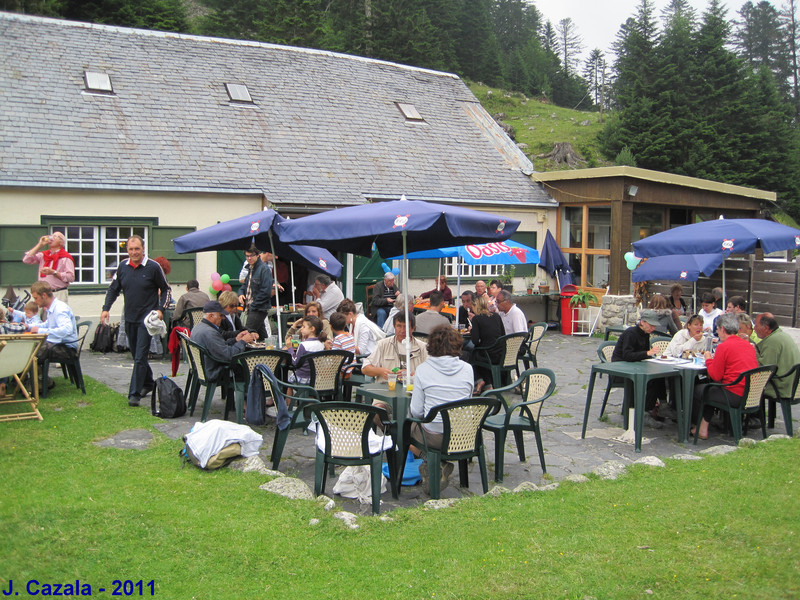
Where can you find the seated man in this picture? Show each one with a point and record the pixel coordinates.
(59, 325)
(390, 353)
(432, 317)
(511, 314)
(384, 295)
(633, 345)
(193, 298)
(465, 311)
(328, 294)
(220, 351)
(776, 348)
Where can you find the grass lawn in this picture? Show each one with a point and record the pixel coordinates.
(722, 527)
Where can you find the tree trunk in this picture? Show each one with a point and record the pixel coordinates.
(563, 152)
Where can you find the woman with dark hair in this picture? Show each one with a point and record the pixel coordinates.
(688, 339)
(442, 378)
(668, 317)
(486, 328)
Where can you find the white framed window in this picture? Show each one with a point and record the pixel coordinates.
(449, 265)
(98, 249)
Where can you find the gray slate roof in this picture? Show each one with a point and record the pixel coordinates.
(324, 130)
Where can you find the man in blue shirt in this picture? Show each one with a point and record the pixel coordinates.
(145, 288)
(59, 326)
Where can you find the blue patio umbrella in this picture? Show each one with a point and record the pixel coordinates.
(395, 227)
(553, 261)
(258, 228)
(677, 267)
(728, 236)
(242, 232)
(495, 253)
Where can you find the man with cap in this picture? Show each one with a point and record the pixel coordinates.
(384, 295)
(634, 345)
(220, 351)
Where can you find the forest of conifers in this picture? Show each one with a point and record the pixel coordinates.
(712, 95)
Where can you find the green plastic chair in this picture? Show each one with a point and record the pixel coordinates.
(510, 348)
(462, 421)
(197, 354)
(772, 396)
(604, 352)
(297, 419)
(326, 372)
(755, 381)
(537, 386)
(661, 343)
(345, 429)
(527, 351)
(243, 364)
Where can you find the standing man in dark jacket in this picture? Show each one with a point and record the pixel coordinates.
(256, 292)
(144, 286)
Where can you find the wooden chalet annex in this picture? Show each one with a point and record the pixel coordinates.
(603, 211)
(105, 131)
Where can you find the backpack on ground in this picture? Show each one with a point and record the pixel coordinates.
(103, 339)
(167, 400)
(220, 459)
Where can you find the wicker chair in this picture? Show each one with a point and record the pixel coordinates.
(755, 380)
(462, 421)
(537, 386)
(771, 394)
(661, 343)
(604, 351)
(346, 430)
(326, 371)
(243, 365)
(527, 351)
(197, 355)
(510, 345)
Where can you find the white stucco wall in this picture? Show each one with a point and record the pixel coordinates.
(170, 208)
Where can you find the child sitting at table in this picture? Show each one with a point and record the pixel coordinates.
(343, 339)
(30, 317)
(313, 340)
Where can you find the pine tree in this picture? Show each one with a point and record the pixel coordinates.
(594, 72)
(761, 39)
(570, 44)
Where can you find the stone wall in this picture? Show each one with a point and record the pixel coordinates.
(617, 310)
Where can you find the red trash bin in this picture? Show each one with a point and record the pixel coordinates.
(567, 292)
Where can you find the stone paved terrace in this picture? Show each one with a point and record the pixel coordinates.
(565, 452)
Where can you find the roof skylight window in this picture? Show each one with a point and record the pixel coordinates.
(99, 83)
(409, 112)
(238, 93)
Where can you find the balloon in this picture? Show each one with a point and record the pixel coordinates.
(225, 278)
(217, 285)
(396, 271)
(215, 277)
(212, 291)
(632, 261)
(227, 288)
(385, 267)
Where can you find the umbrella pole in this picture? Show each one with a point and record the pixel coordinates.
(458, 288)
(292, 292)
(275, 283)
(408, 329)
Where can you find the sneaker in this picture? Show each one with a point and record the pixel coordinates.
(652, 423)
(423, 472)
(667, 412)
(133, 401)
(272, 411)
(447, 470)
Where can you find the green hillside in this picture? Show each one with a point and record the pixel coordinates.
(539, 125)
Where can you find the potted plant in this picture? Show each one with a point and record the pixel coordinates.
(582, 299)
(508, 277)
(529, 282)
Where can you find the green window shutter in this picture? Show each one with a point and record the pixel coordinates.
(529, 239)
(183, 265)
(423, 267)
(229, 262)
(14, 242)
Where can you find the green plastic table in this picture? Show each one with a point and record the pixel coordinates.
(400, 401)
(639, 374)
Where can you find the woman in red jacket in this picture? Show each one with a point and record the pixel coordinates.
(734, 355)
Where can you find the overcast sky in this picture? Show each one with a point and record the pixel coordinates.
(598, 21)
